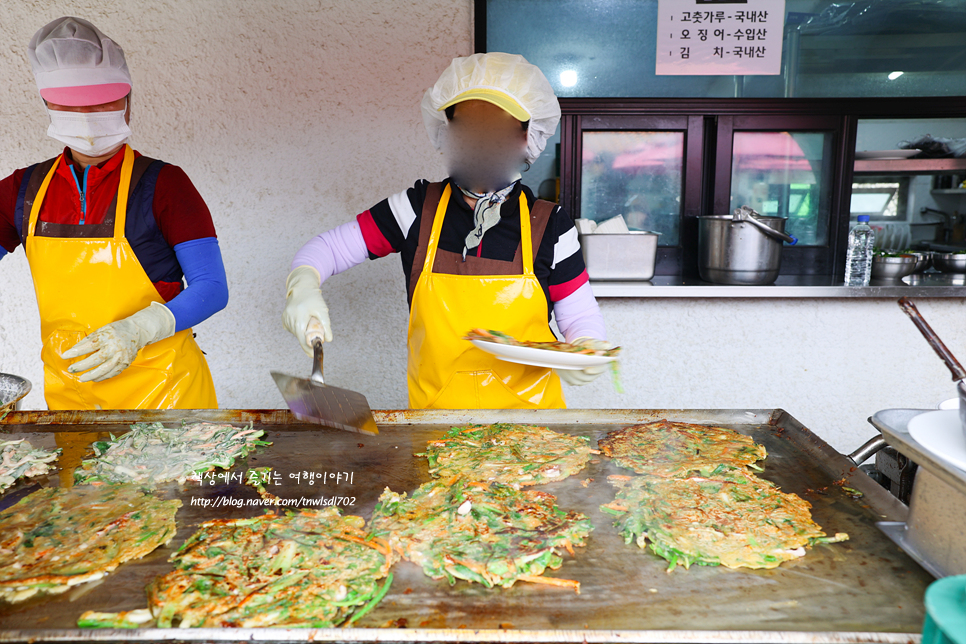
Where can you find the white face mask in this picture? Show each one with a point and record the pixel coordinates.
(91, 133)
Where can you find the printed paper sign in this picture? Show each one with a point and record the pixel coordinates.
(719, 37)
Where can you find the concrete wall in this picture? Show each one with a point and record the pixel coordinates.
(292, 116)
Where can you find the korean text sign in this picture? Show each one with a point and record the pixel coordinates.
(719, 37)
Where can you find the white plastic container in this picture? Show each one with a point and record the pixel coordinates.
(620, 256)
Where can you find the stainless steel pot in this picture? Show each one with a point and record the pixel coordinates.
(12, 389)
(740, 251)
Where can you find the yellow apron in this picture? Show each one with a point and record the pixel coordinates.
(83, 284)
(447, 372)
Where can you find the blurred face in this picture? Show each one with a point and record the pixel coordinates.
(485, 147)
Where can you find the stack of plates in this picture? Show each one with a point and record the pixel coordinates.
(885, 154)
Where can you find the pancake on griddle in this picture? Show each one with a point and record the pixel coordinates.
(512, 454)
(56, 538)
(498, 337)
(151, 453)
(737, 520)
(665, 448)
(21, 459)
(490, 533)
(311, 568)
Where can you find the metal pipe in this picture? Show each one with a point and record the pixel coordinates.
(792, 47)
(867, 450)
(947, 221)
(946, 216)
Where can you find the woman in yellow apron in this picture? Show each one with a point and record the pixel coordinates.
(96, 299)
(446, 371)
(164, 369)
(478, 250)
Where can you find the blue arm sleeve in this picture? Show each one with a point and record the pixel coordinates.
(207, 290)
(3, 252)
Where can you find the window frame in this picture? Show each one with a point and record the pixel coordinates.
(796, 260)
(901, 195)
(710, 124)
(670, 259)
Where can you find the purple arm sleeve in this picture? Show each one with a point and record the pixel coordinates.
(333, 251)
(578, 315)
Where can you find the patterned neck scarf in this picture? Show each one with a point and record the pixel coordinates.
(486, 213)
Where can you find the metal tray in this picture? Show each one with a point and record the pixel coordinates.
(934, 533)
(863, 590)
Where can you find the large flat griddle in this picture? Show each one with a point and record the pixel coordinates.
(864, 590)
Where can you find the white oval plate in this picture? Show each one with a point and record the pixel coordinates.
(541, 357)
(885, 154)
(942, 434)
(951, 403)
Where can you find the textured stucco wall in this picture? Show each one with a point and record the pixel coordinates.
(292, 116)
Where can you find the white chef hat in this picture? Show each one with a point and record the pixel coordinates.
(75, 64)
(505, 80)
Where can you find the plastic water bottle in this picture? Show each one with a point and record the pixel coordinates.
(858, 263)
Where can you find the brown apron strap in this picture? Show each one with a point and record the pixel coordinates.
(434, 192)
(37, 176)
(74, 231)
(137, 171)
(539, 218)
(450, 263)
(94, 231)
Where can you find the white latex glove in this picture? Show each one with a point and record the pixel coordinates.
(578, 377)
(114, 346)
(303, 301)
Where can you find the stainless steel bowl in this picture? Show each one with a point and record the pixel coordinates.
(894, 268)
(12, 389)
(925, 261)
(949, 262)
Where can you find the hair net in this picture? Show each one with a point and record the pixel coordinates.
(506, 80)
(75, 64)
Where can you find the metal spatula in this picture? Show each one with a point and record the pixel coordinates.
(311, 400)
(954, 366)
